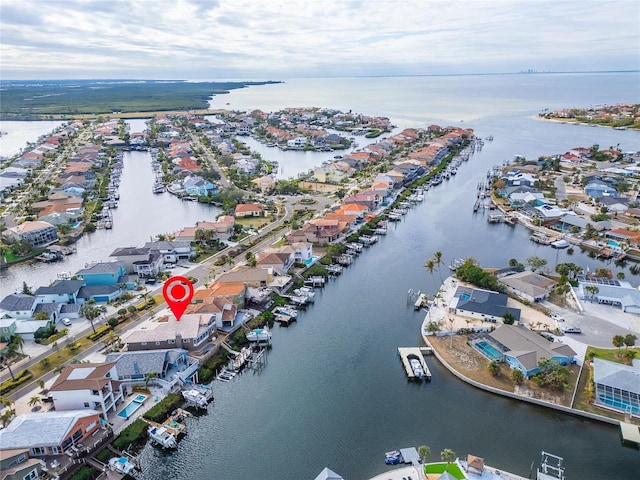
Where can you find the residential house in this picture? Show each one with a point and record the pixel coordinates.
(8, 327)
(49, 433)
(221, 309)
(169, 367)
(150, 266)
(598, 189)
(99, 293)
(529, 285)
(37, 233)
(235, 291)
(129, 255)
(317, 231)
(617, 386)
(89, 386)
(103, 273)
(190, 333)
(481, 304)
(524, 349)
(297, 142)
(16, 464)
(280, 260)
(18, 306)
(172, 251)
(369, 199)
(249, 210)
(609, 292)
(60, 291)
(247, 276)
(302, 251)
(265, 183)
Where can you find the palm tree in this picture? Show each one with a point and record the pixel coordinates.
(437, 259)
(447, 455)
(430, 265)
(423, 453)
(5, 418)
(34, 402)
(18, 341)
(618, 341)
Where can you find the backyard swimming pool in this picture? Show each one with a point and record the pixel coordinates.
(613, 243)
(488, 350)
(132, 406)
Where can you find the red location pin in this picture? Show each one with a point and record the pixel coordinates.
(177, 292)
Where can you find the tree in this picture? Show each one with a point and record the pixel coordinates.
(620, 276)
(430, 265)
(618, 341)
(630, 355)
(437, 260)
(447, 455)
(592, 290)
(508, 318)
(18, 341)
(90, 311)
(536, 262)
(41, 316)
(34, 401)
(132, 309)
(629, 340)
(423, 453)
(494, 368)
(517, 376)
(552, 374)
(148, 377)
(6, 417)
(26, 290)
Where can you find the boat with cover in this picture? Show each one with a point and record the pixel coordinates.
(162, 437)
(121, 465)
(562, 243)
(418, 371)
(195, 398)
(393, 457)
(259, 335)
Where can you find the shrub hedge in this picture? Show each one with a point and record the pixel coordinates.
(20, 378)
(161, 410)
(134, 434)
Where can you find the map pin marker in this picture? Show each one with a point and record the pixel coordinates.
(177, 292)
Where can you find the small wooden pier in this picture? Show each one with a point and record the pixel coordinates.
(408, 353)
(172, 424)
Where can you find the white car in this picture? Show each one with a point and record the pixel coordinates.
(66, 322)
(557, 317)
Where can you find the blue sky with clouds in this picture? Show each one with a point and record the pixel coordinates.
(274, 39)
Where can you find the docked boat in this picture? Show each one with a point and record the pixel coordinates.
(305, 292)
(158, 187)
(418, 371)
(162, 437)
(561, 243)
(121, 465)
(286, 311)
(196, 398)
(392, 458)
(259, 335)
(226, 375)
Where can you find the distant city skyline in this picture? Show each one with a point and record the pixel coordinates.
(271, 39)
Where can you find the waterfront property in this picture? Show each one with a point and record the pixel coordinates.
(610, 292)
(529, 285)
(524, 349)
(132, 406)
(617, 386)
(481, 304)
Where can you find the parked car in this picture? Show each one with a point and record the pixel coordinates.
(556, 317)
(572, 330)
(66, 322)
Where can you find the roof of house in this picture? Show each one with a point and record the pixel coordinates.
(61, 287)
(483, 302)
(528, 282)
(101, 267)
(41, 429)
(617, 375)
(16, 302)
(328, 474)
(529, 347)
(30, 226)
(248, 207)
(129, 251)
(144, 361)
(167, 328)
(82, 376)
(94, 290)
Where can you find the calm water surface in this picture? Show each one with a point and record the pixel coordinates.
(333, 392)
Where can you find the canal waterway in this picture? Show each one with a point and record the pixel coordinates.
(15, 134)
(140, 215)
(333, 391)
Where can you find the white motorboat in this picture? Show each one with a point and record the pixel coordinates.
(195, 398)
(121, 465)
(259, 335)
(418, 371)
(562, 243)
(162, 437)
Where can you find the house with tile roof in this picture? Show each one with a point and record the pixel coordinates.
(49, 433)
(524, 349)
(279, 260)
(87, 386)
(617, 386)
(37, 233)
(189, 333)
(249, 210)
(247, 276)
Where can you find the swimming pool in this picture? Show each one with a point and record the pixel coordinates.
(465, 296)
(619, 404)
(132, 406)
(613, 243)
(488, 350)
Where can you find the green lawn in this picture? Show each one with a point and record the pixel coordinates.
(452, 468)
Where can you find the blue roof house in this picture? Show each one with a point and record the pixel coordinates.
(103, 273)
(599, 189)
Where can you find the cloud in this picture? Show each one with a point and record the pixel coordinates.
(272, 38)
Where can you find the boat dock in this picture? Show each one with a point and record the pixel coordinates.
(409, 353)
(172, 424)
(630, 433)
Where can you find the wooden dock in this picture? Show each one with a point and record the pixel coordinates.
(172, 424)
(408, 353)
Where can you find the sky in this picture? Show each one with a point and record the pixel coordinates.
(277, 39)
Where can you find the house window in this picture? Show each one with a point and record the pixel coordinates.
(33, 474)
(90, 426)
(86, 404)
(55, 450)
(38, 451)
(171, 341)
